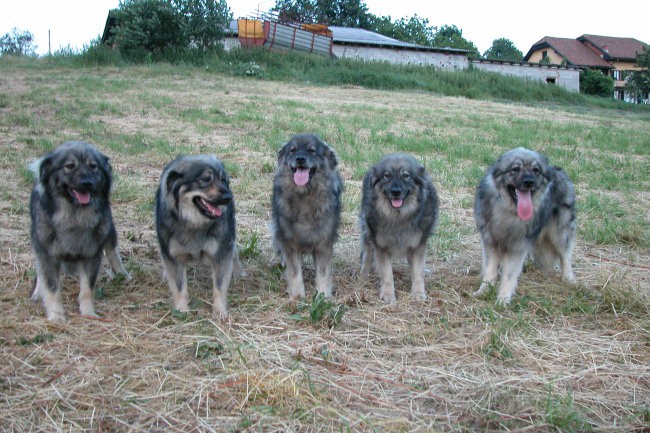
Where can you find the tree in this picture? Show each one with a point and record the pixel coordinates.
(594, 82)
(203, 21)
(159, 26)
(638, 82)
(18, 43)
(147, 26)
(345, 13)
(452, 37)
(415, 30)
(503, 49)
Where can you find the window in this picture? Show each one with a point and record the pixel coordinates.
(616, 74)
(550, 80)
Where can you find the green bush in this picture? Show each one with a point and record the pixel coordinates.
(593, 82)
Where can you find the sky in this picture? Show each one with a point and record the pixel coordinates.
(76, 22)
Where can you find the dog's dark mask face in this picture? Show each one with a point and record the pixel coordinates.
(304, 156)
(398, 182)
(79, 174)
(207, 186)
(522, 177)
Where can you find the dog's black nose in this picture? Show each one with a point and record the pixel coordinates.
(528, 181)
(300, 161)
(396, 192)
(86, 183)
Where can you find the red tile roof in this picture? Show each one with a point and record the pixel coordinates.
(575, 52)
(615, 48)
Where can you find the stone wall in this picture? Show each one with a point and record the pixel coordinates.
(569, 78)
(438, 59)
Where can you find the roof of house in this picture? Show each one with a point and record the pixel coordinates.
(573, 51)
(615, 48)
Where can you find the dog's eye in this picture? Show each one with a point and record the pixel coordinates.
(515, 169)
(312, 150)
(387, 175)
(536, 170)
(70, 166)
(93, 166)
(292, 150)
(406, 176)
(208, 178)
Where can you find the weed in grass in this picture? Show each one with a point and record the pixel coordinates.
(207, 349)
(4, 100)
(249, 248)
(321, 312)
(561, 412)
(35, 340)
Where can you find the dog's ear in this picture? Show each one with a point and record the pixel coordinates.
(331, 157)
(172, 177)
(420, 175)
(282, 152)
(375, 175)
(43, 169)
(105, 166)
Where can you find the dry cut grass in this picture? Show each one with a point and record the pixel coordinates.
(560, 358)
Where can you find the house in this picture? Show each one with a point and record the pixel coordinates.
(615, 57)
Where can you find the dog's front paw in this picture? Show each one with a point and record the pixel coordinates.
(388, 296)
(419, 295)
(57, 316)
(484, 286)
(503, 300)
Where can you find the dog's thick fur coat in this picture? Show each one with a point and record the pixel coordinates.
(399, 211)
(306, 209)
(71, 224)
(523, 205)
(195, 224)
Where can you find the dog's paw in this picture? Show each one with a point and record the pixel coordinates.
(419, 295)
(503, 300)
(219, 313)
(484, 286)
(56, 316)
(388, 296)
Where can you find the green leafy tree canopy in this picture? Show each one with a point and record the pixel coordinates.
(505, 50)
(450, 36)
(18, 42)
(593, 82)
(638, 82)
(158, 26)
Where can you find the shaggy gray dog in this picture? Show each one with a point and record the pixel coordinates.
(399, 211)
(71, 224)
(195, 224)
(306, 210)
(523, 205)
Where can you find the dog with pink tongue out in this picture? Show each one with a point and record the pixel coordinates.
(306, 210)
(399, 211)
(524, 206)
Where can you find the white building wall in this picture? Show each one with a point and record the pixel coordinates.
(569, 78)
(401, 56)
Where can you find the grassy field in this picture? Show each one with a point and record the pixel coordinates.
(560, 358)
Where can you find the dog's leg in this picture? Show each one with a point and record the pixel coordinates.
(88, 272)
(566, 255)
(113, 256)
(366, 259)
(237, 270)
(512, 265)
(416, 259)
(177, 282)
(222, 271)
(48, 289)
(490, 268)
(385, 270)
(293, 274)
(323, 265)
